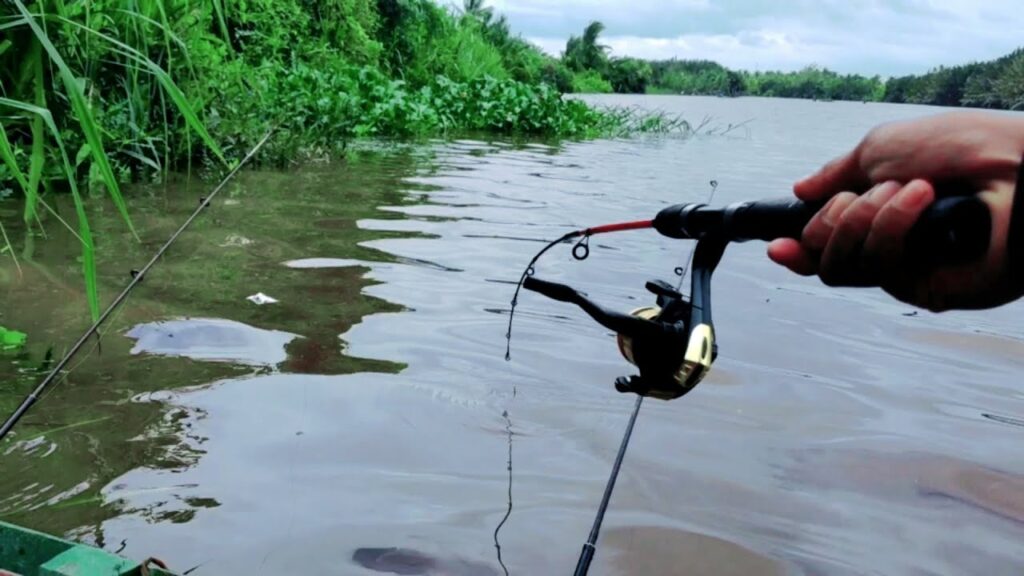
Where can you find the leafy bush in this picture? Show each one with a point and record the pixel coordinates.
(629, 75)
(317, 112)
(590, 82)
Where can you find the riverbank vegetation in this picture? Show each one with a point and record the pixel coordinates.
(129, 88)
(995, 84)
(96, 93)
(124, 90)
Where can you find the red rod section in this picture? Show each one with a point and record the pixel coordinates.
(619, 227)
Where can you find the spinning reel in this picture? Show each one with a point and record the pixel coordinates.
(673, 342)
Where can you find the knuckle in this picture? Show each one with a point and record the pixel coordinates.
(857, 217)
(891, 224)
(851, 216)
(830, 281)
(876, 135)
(831, 277)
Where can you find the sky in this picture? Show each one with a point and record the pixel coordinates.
(884, 37)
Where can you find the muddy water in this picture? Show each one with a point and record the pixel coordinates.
(361, 424)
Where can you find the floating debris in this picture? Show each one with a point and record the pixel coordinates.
(260, 299)
(235, 240)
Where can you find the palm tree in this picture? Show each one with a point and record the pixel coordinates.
(584, 53)
(476, 9)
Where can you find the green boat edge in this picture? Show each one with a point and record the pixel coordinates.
(27, 552)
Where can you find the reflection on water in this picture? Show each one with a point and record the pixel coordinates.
(211, 339)
(358, 425)
(411, 562)
(674, 552)
(188, 324)
(917, 476)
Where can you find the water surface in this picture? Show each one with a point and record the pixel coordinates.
(369, 409)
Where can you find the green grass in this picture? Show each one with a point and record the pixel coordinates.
(80, 110)
(51, 92)
(84, 232)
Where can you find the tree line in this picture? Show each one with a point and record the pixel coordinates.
(995, 84)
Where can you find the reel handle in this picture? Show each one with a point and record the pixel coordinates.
(616, 321)
(953, 230)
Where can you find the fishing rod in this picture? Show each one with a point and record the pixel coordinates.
(136, 278)
(672, 343)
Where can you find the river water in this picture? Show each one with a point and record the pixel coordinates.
(372, 408)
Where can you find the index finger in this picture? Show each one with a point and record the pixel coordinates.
(843, 173)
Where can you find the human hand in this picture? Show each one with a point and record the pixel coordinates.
(877, 191)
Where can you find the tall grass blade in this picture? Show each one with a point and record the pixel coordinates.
(9, 248)
(218, 7)
(84, 232)
(59, 218)
(164, 27)
(86, 121)
(172, 90)
(12, 23)
(38, 156)
(142, 158)
(7, 154)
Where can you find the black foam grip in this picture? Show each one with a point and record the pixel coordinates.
(767, 219)
(952, 230)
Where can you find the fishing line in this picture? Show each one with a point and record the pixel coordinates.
(55, 374)
(581, 251)
(681, 271)
(508, 511)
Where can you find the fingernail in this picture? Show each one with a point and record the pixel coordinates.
(832, 211)
(914, 196)
(799, 186)
(884, 191)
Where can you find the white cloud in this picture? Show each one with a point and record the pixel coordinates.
(599, 7)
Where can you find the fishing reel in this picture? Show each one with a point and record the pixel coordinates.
(671, 343)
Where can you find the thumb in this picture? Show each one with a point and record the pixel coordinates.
(840, 175)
